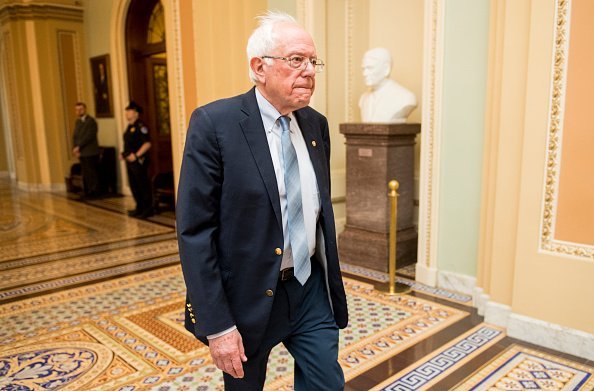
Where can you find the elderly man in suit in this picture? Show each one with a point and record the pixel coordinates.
(86, 149)
(255, 221)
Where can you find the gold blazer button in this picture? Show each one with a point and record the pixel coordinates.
(269, 292)
(278, 251)
(314, 143)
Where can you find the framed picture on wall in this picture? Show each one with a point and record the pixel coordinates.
(102, 86)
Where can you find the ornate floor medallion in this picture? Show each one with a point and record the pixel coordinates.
(76, 358)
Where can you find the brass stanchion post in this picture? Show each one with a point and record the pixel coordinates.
(394, 288)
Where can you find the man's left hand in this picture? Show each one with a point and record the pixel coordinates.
(228, 354)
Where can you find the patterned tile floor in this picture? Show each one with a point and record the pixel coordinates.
(142, 314)
(41, 223)
(520, 368)
(92, 299)
(122, 204)
(50, 242)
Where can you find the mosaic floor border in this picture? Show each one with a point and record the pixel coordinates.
(90, 277)
(436, 366)
(9, 264)
(520, 368)
(30, 275)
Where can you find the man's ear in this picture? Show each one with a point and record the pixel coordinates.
(257, 65)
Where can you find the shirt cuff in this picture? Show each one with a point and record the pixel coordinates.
(217, 335)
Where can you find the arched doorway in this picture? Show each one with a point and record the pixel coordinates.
(146, 57)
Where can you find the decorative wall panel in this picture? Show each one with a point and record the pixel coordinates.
(557, 110)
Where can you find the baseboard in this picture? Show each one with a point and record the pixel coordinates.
(4, 174)
(549, 335)
(456, 282)
(497, 313)
(426, 275)
(553, 336)
(480, 300)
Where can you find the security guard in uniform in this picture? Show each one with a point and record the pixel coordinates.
(136, 147)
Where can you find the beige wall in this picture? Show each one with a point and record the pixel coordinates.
(341, 46)
(575, 210)
(3, 146)
(221, 29)
(35, 82)
(397, 25)
(213, 36)
(189, 60)
(563, 285)
(514, 269)
(503, 143)
(97, 34)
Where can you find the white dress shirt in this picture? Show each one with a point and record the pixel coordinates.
(309, 187)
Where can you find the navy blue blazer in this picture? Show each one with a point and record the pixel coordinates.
(229, 221)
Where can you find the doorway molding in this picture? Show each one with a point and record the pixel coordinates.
(174, 76)
(429, 176)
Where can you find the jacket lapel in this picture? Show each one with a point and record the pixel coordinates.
(255, 135)
(315, 148)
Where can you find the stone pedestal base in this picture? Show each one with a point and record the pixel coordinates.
(371, 249)
(376, 154)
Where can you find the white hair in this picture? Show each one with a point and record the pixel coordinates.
(263, 41)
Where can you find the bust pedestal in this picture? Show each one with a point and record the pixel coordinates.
(376, 154)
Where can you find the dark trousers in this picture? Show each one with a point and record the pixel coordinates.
(89, 166)
(302, 320)
(140, 185)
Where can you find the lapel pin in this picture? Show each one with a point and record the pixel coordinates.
(313, 142)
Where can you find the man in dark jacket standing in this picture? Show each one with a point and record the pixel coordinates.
(86, 149)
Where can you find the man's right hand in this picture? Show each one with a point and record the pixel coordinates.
(228, 354)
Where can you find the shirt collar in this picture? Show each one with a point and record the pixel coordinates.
(269, 113)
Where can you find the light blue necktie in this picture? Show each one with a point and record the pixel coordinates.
(296, 223)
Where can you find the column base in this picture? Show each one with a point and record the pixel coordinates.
(371, 249)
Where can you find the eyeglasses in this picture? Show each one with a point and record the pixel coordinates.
(300, 62)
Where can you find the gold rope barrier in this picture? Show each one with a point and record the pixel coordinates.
(394, 288)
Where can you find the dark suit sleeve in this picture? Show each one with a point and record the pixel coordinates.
(198, 215)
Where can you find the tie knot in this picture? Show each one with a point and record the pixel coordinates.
(284, 122)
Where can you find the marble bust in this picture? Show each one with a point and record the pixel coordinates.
(386, 101)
